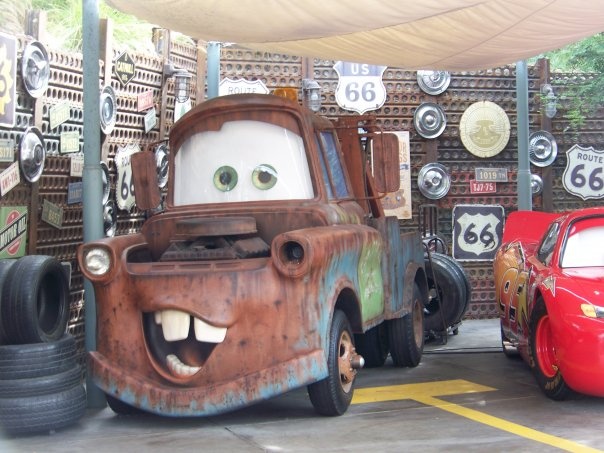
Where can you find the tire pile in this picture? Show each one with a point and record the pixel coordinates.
(41, 385)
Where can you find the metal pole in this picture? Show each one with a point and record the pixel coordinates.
(213, 68)
(524, 172)
(92, 176)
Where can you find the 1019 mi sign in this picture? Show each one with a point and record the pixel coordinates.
(584, 172)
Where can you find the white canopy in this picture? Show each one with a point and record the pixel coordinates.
(411, 34)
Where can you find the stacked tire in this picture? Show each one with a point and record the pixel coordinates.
(451, 293)
(41, 385)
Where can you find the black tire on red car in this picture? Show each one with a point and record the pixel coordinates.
(542, 355)
(332, 395)
(35, 300)
(406, 334)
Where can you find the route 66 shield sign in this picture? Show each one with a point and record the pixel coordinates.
(124, 192)
(477, 231)
(584, 172)
(360, 87)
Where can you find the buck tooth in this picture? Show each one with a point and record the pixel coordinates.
(208, 333)
(175, 325)
(157, 316)
(180, 369)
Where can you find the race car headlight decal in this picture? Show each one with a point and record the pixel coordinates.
(97, 261)
(592, 311)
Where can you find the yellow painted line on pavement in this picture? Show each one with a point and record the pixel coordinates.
(426, 393)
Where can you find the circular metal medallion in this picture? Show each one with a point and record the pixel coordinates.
(106, 182)
(536, 184)
(161, 161)
(429, 120)
(32, 154)
(109, 218)
(108, 109)
(35, 69)
(433, 181)
(484, 129)
(433, 82)
(543, 148)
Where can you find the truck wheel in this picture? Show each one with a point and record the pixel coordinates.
(332, 395)
(121, 408)
(373, 346)
(406, 334)
(35, 301)
(542, 355)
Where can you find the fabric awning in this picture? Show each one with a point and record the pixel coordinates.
(428, 34)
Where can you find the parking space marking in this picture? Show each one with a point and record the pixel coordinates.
(427, 393)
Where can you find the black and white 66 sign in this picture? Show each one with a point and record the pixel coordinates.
(360, 87)
(124, 191)
(477, 231)
(584, 172)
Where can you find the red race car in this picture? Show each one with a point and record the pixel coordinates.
(549, 287)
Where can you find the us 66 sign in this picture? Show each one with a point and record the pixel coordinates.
(584, 172)
(360, 87)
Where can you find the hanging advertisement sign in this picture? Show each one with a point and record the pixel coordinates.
(399, 203)
(8, 79)
(360, 87)
(13, 231)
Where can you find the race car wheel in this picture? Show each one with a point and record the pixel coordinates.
(543, 360)
(332, 395)
(406, 334)
(35, 301)
(373, 346)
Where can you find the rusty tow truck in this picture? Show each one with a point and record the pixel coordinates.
(270, 258)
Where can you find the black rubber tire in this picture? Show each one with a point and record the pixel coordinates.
(43, 385)
(43, 412)
(35, 301)
(24, 361)
(121, 408)
(550, 380)
(451, 288)
(330, 396)
(406, 334)
(373, 346)
(468, 286)
(5, 265)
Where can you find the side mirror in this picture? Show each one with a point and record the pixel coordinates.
(144, 178)
(386, 165)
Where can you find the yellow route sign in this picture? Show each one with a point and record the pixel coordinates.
(427, 393)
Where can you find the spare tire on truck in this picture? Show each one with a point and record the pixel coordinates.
(447, 279)
(35, 300)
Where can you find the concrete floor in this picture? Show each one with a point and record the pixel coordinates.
(465, 396)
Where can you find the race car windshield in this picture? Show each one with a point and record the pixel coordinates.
(583, 245)
(243, 161)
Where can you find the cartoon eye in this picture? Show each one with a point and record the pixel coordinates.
(264, 177)
(225, 178)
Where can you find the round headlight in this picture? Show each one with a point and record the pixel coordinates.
(97, 261)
